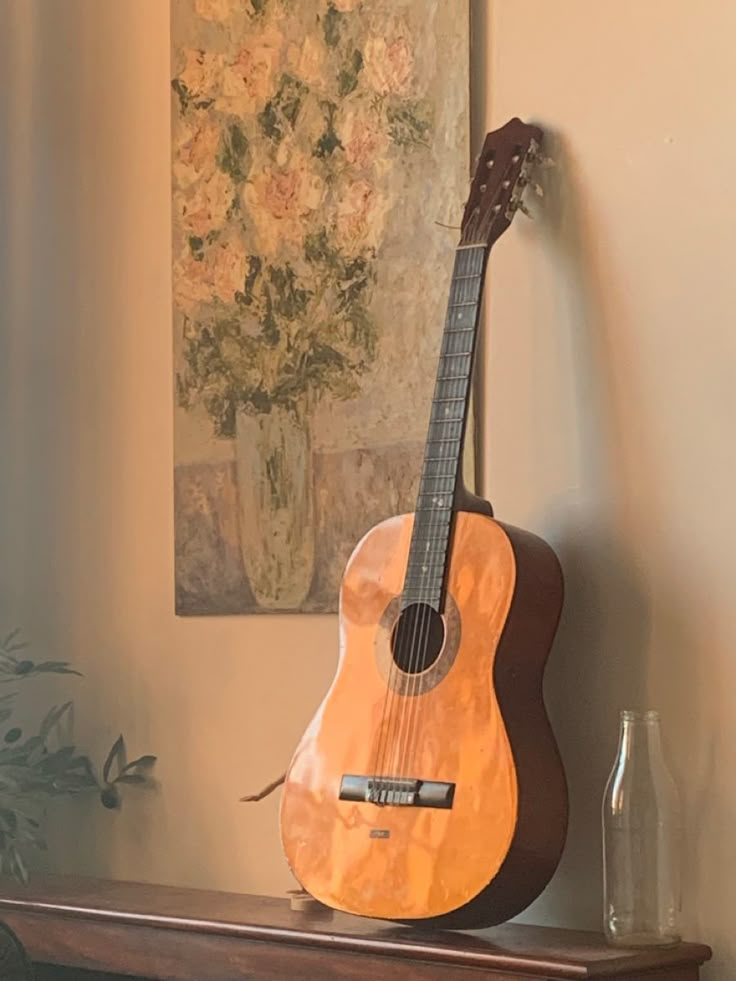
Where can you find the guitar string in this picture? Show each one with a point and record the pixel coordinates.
(407, 704)
(478, 260)
(416, 613)
(458, 388)
(433, 527)
(466, 344)
(481, 252)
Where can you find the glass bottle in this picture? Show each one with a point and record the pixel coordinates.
(641, 840)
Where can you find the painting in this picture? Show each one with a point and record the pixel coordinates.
(319, 164)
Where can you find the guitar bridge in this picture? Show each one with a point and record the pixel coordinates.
(397, 791)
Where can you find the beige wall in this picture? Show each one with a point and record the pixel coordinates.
(609, 408)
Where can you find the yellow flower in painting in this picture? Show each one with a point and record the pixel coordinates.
(363, 139)
(307, 60)
(388, 65)
(226, 264)
(219, 275)
(203, 208)
(191, 285)
(361, 215)
(198, 140)
(250, 79)
(217, 10)
(201, 73)
(278, 199)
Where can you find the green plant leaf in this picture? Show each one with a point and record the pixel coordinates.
(142, 763)
(116, 754)
(55, 667)
(139, 778)
(52, 720)
(17, 865)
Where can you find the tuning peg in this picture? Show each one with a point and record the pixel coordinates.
(546, 163)
(524, 210)
(538, 189)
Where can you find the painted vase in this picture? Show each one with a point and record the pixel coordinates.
(273, 460)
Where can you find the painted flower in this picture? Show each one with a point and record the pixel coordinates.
(204, 208)
(217, 10)
(361, 214)
(226, 266)
(249, 80)
(307, 60)
(217, 276)
(198, 140)
(191, 284)
(388, 65)
(362, 138)
(278, 199)
(201, 73)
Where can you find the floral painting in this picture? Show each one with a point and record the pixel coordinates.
(319, 160)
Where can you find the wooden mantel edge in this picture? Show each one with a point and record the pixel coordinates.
(530, 964)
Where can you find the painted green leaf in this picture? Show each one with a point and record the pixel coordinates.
(182, 92)
(409, 123)
(347, 79)
(332, 26)
(282, 111)
(231, 158)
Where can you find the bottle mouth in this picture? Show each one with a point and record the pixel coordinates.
(628, 715)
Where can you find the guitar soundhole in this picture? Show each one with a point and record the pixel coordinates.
(417, 638)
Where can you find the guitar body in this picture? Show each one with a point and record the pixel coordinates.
(474, 720)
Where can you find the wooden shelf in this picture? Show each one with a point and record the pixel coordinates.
(169, 934)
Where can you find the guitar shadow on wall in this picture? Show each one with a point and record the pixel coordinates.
(598, 665)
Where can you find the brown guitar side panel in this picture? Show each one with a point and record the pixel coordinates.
(518, 674)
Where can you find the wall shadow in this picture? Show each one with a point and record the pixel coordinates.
(598, 664)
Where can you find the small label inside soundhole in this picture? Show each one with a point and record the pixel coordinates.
(417, 638)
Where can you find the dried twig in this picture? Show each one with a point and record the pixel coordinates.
(268, 789)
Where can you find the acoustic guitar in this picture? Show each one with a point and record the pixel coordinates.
(428, 786)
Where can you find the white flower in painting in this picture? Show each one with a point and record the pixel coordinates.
(227, 267)
(219, 275)
(217, 10)
(388, 65)
(191, 286)
(279, 199)
(307, 60)
(361, 215)
(202, 73)
(197, 143)
(250, 79)
(363, 139)
(203, 207)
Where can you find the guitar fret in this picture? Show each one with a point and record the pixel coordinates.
(459, 398)
(444, 439)
(465, 303)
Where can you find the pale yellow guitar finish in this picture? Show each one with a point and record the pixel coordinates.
(432, 860)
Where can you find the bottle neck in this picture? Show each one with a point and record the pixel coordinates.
(639, 737)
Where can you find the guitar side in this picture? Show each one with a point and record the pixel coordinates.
(475, 719)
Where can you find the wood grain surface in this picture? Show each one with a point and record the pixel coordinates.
(173, 934)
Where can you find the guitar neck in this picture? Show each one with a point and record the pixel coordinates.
(426, 571)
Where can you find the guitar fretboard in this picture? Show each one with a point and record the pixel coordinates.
(426, 571)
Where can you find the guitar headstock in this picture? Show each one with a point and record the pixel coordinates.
(501, 176)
